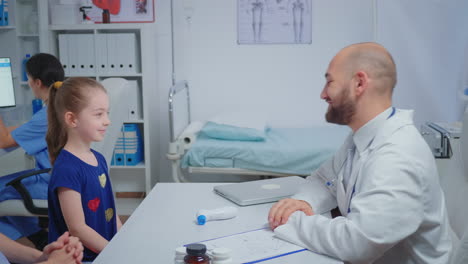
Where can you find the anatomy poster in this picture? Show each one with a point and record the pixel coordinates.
(274, 21)
(122, 10)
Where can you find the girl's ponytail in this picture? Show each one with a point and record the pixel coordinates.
(56, 136)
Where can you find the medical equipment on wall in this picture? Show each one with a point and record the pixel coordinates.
(85, 6)
(438, 136)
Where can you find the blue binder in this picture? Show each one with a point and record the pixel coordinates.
(128, 150)
(5, 13)
(2, 22)
(133, 144)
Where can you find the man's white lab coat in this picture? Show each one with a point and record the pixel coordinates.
(393, 207)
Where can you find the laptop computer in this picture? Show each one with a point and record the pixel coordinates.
(261, 191)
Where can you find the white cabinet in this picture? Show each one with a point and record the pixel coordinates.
(19, 38)
(30, 32)
(102, 51)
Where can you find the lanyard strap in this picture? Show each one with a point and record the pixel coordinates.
(392, 113)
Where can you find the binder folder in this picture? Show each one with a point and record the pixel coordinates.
(5, 13)
(112, 54)
(134, 102)
(2, 23)
(119, 157)
(73, 47)
(63, 52)
(100, 42)
(133, 144)
(85, 54)
(128, 150)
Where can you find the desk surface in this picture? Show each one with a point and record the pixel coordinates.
(165, 220)
(7, 150)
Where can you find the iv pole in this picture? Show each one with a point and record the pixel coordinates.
(172, 43)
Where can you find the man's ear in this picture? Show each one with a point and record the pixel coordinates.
(70, 119)
(361, 82)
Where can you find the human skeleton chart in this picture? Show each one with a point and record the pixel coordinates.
(274, 21)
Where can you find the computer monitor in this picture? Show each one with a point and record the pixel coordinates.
(7, 89)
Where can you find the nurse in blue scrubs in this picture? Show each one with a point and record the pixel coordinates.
(42, 70)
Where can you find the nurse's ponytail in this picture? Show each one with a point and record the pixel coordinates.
(72, 95)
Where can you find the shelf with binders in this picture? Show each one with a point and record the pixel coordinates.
(127, 46)
(99, 54)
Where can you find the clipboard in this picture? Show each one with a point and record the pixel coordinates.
(253, 246)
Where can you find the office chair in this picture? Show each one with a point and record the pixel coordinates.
(117, 90)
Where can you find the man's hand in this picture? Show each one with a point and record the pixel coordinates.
(280, 211)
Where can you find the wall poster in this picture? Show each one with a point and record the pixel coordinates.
(274, 21)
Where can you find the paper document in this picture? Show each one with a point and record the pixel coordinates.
(253, 246)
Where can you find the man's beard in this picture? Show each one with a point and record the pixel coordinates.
(343, 113)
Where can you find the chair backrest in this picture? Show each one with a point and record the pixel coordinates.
(117, 90)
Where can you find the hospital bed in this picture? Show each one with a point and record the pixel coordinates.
(282, 151)
(37, 206)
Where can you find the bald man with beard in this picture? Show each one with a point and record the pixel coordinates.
(383, 179)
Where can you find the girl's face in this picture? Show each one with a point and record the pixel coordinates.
(93, 120)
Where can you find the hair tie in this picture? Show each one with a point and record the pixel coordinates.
(57, 85)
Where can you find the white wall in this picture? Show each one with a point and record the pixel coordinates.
(284, 80)
(426, 38)
(428, 41)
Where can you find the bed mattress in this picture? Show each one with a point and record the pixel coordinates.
(296, 151)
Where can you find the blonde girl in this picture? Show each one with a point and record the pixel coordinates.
(80, 193)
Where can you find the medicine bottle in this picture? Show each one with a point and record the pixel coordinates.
(105, 16)
(196, 254)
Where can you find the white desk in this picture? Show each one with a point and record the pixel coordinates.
(13, 160)
(165, 220)
(6, 151)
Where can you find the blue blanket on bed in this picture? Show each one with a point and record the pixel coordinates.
(297, 151)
